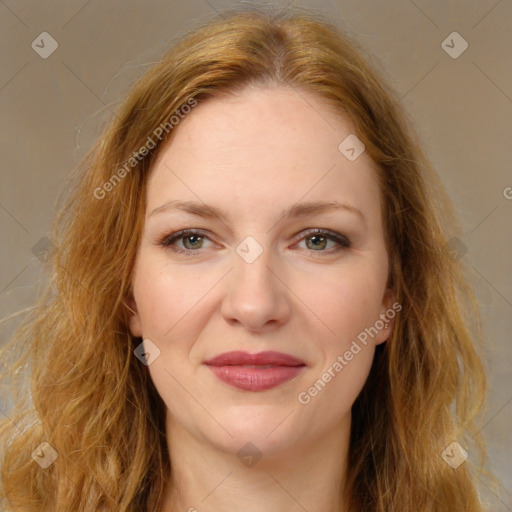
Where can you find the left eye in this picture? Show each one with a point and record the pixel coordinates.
(316, 240)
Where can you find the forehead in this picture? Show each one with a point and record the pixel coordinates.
(276, 118)
(271, 146)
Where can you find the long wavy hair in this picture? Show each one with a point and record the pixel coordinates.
(93, 401)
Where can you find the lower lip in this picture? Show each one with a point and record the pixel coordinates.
(255, 379)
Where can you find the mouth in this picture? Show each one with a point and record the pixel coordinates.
(255, 372)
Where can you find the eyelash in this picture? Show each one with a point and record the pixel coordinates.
(342, 241)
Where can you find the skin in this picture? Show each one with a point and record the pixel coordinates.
(252, 155)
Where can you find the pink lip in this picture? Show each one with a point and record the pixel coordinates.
(229, 368)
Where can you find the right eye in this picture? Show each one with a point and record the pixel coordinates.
(191, 239)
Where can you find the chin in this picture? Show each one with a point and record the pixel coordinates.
(270, 431)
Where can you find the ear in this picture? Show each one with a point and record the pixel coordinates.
(386, 322)
(134, 320)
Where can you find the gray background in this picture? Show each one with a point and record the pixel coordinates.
(54, 108)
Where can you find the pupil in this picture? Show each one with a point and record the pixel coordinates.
(320, 239)
(192, 237)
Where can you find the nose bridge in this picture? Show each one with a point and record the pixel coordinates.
(255, 295)
(252, 269)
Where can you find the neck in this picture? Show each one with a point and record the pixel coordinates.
(304, 476)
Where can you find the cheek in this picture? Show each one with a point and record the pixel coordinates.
(172, 315)
(345, 350)
(166, 298)
(344, 303)
(345, 380)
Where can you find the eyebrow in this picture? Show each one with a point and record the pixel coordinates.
(297, 210)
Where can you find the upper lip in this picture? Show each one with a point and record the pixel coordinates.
(238, 358)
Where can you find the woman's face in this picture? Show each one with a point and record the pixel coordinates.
(245, 172)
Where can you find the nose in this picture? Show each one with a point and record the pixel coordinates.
(257, 297)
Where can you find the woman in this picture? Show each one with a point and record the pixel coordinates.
(253, 304)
